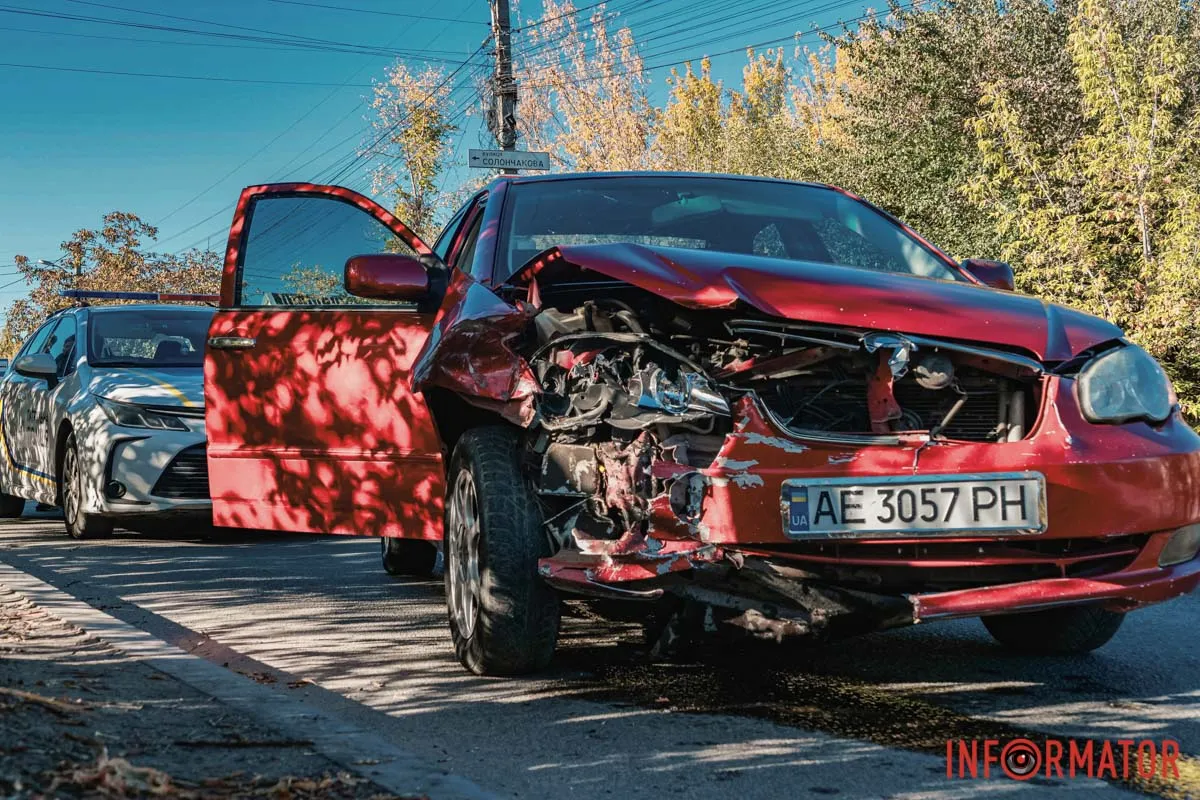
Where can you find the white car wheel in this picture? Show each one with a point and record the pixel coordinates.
(80, 525)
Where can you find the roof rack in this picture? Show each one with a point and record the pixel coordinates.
(154, 297)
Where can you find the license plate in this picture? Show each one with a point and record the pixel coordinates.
(928, 505)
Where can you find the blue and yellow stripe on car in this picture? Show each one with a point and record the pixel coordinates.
(12, 462)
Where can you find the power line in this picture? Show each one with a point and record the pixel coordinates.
(739, 49)
(201, 21)
(574, 12)
(308, 113)
(288, 40)
(182, 43)
(342, 170)
(177, 77)
(373, 11)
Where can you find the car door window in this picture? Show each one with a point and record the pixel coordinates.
(61, 345)
(34, 343)
(296, 250)
(464, 259)
(442, 246)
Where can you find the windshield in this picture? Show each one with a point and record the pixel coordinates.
(140, 337)
(762, 218)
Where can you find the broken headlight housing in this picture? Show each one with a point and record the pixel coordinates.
(1125, 384)
(688, 393)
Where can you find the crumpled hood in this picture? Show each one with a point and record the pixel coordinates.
(182, 386)
(830, 295)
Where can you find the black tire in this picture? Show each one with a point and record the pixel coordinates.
(503, 617)
(1071, 630)
(11, 506)
(412, 557)
(80, 525)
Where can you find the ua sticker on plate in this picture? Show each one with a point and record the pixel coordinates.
(798, 509)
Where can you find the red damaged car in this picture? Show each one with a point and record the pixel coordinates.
(752, 405)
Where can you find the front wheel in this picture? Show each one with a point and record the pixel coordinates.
(503, 617)
(80, 525)
(1071, 630)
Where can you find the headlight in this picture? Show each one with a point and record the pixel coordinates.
(135, 416)
(691, 393)
(1125, 384)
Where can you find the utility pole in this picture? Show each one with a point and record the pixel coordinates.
(504, 87)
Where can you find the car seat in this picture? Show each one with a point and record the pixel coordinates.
(168, 350)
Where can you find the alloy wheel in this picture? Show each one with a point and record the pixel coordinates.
(70, 487)
(463, 541)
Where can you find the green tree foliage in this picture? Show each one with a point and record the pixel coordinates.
(113, 257)
(1061, 135)
(1109, 221)
(910, 82)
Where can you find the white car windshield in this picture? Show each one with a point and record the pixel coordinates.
(798, 222)
(138, 337)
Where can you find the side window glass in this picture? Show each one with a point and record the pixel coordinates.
(442, 246)
(466, 253)
(296, 250)
(61, 345)
(35, 343)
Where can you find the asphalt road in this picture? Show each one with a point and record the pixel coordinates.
(864, 718)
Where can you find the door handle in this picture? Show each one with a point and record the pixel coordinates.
(231, 342)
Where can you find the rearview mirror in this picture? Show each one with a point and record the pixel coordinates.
(387, 276)
(37, 365)
(996, 274)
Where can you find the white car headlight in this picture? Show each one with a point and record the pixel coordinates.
(1125, 384)
(131, 415)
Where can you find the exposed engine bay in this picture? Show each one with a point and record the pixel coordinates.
(632, 384)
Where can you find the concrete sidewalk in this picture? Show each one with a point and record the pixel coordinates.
(80, 714)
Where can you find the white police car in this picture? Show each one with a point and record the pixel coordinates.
(102, 413)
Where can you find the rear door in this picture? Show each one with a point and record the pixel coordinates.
(22, 426)
(311, 424)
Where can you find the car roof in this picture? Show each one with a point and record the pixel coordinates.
(569, 176)
(150, 307)
(80, 309)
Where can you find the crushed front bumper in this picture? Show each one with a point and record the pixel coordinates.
(1121, 489)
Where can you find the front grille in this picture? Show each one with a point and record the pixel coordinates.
(835, 400)
(186, 477)
(932, 566)
(977, 421)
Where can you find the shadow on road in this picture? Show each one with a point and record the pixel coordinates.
(298, 610)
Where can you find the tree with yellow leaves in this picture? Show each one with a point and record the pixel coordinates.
(113, 256)
(1111, 222)
(409, 140)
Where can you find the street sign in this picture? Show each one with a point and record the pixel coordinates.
(508, 159)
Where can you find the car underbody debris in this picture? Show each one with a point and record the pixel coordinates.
(641, 402)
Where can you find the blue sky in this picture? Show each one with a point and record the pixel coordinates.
(75, 145)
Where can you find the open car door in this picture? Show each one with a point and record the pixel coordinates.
(311, 422)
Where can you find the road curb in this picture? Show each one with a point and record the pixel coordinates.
(396, 770)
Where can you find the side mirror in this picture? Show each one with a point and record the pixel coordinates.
(996, 274)
(3, 364)
(387, 276)
(37, 365)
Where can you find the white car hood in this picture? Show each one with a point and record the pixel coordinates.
(157, 387)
